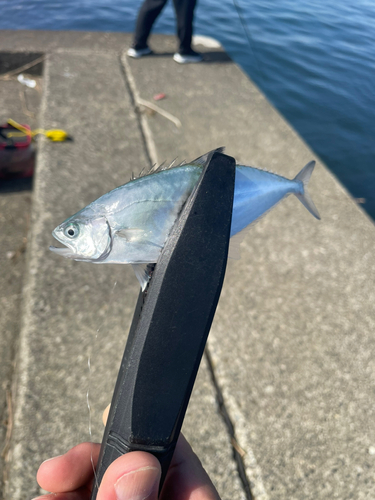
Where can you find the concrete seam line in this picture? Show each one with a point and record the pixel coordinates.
(143, 124)
(12, 488)
(254, 488)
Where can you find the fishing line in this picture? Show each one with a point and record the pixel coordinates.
(92, 348)
(89, 408)
(249, 39)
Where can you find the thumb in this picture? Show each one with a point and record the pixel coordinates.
(134, 476)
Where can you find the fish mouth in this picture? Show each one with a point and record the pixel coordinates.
(68, 253)
(63, 251)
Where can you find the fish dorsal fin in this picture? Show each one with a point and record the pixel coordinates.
(202, 160)
(154, 169)
(142, 274)
(129, 233)
(199, 162)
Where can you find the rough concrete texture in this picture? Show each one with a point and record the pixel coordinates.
(292, 342)
(48, 42)
(75, 312)
(20, 103)
(14, 211)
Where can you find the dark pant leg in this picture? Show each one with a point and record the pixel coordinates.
(185, 13)
(146, 17)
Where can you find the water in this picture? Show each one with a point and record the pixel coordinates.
(314, 61)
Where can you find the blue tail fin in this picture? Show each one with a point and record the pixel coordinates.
(305, 198)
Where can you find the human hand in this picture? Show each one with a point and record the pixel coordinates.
(134, 476)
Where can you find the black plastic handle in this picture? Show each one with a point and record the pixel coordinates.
(171, 324)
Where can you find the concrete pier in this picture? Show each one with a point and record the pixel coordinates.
(283, 406)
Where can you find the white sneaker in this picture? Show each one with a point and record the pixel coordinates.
(136, 54)
(193, 57)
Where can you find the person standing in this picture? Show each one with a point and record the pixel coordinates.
(147, 15)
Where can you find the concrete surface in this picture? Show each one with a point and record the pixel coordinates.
(20, 103)
(14, 211)
(72, 312)
(292, 342)
(292, 346)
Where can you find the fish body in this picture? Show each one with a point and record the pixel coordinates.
(130, 224)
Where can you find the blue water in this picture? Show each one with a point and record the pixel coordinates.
(314, 60)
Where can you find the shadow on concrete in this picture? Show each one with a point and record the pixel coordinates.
(216, 56)
(208, 57)
(11, 61)
(16, 185)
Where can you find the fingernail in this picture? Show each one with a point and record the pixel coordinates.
(48, 460)
(139, 484)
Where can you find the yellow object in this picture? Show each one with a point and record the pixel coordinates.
(56, 135)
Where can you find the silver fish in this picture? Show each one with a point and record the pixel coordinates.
(130, 224)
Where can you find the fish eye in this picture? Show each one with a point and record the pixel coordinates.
(71, 231)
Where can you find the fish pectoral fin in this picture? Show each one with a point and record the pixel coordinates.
(130, 233)
(202, 160)
(142, 274)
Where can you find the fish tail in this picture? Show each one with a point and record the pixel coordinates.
(304, 197)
